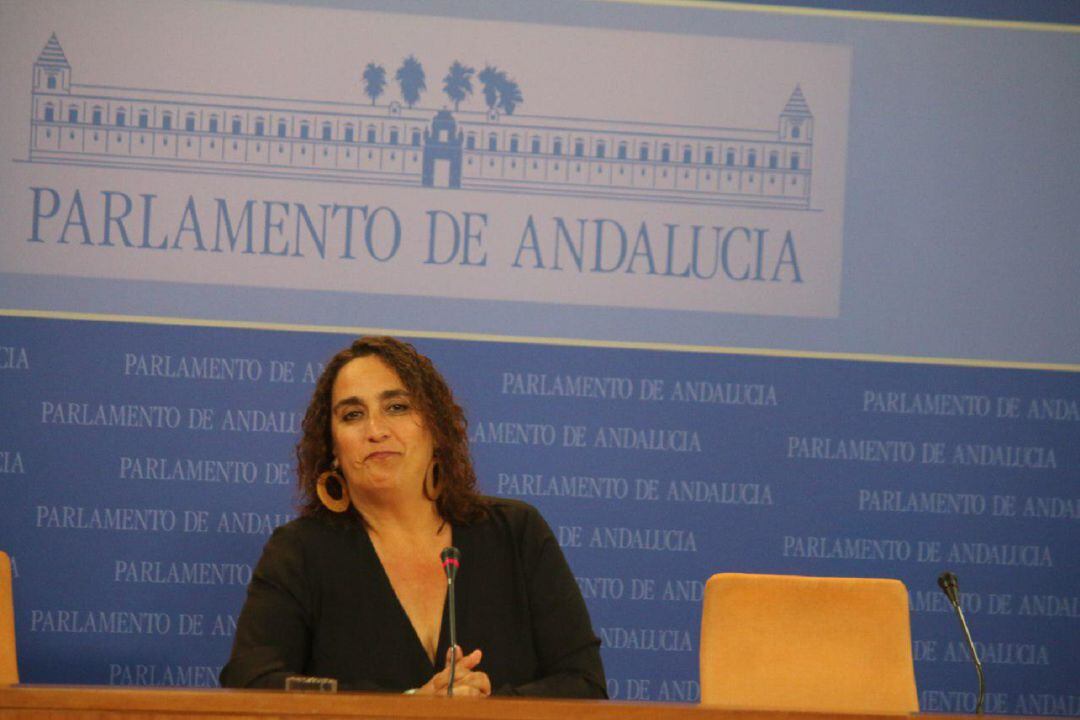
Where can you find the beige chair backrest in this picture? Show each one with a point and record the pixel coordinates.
(9, 667)
(786, 642)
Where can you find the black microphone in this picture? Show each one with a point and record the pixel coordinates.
(451, 561)
(949, 585)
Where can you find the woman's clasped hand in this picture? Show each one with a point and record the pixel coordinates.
(468, 681)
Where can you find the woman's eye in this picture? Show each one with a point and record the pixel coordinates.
(352, 415)
(398, 407)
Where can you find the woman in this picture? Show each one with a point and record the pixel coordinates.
(353, 589)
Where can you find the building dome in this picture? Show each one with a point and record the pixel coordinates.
(444, 121)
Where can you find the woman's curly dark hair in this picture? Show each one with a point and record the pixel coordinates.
(456, 497)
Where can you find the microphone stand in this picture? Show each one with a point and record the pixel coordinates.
(453, 636)
(951, 587)
(451, 561)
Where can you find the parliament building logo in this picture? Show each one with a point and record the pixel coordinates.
(402, 143)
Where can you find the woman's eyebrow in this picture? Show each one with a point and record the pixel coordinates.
(384, 395)
(351, 400)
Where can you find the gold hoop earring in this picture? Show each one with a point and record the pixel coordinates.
(332, 490)
(431, 481)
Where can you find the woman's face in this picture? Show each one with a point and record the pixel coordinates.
(381, 441)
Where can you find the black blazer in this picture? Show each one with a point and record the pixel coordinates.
(320, 604)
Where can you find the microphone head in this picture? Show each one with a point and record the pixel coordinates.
(949, 585)
(451, 561)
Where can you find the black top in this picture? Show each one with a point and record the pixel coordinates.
(320, 604)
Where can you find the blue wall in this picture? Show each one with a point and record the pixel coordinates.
(930, 424)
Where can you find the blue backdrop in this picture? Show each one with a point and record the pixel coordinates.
(909, 404)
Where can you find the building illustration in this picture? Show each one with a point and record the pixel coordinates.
(107, 126)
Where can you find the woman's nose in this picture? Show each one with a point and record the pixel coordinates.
(376, 426)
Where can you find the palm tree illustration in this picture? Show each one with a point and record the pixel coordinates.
(458, 83)
(410, 76)
(374, 81)
(491, 78)
(499, 90)
(509, 96)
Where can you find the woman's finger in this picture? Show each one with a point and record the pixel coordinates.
(479, 681)
(471, 684)
(463, 665)
(471, 660)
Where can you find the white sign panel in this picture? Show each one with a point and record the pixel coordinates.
(342, 150)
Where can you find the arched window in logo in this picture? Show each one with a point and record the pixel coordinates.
(535, 144)
(665, 153)
(751, 158)
(144, 119)
(416, 137)
(73, 114)
(372, 136)
(260, 126)
(305, 130)
(237, 125)
(282, 129)
(470, 142)
(393, 136)
(50, 112)
(622, 150)
(349, 132)
(493, 142)
(579, 147)
(794, 161)
(121, 118)
(708, 156)
(774, 160)
(601, 148)
(687, 154)
(327, 131)
(189, 122)
(556, 148)
(51, 82)
(213, 125)
(166, 120)
(95, 115)
(729, 159)
(643, 152)
(514, 143)
(795, 130)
